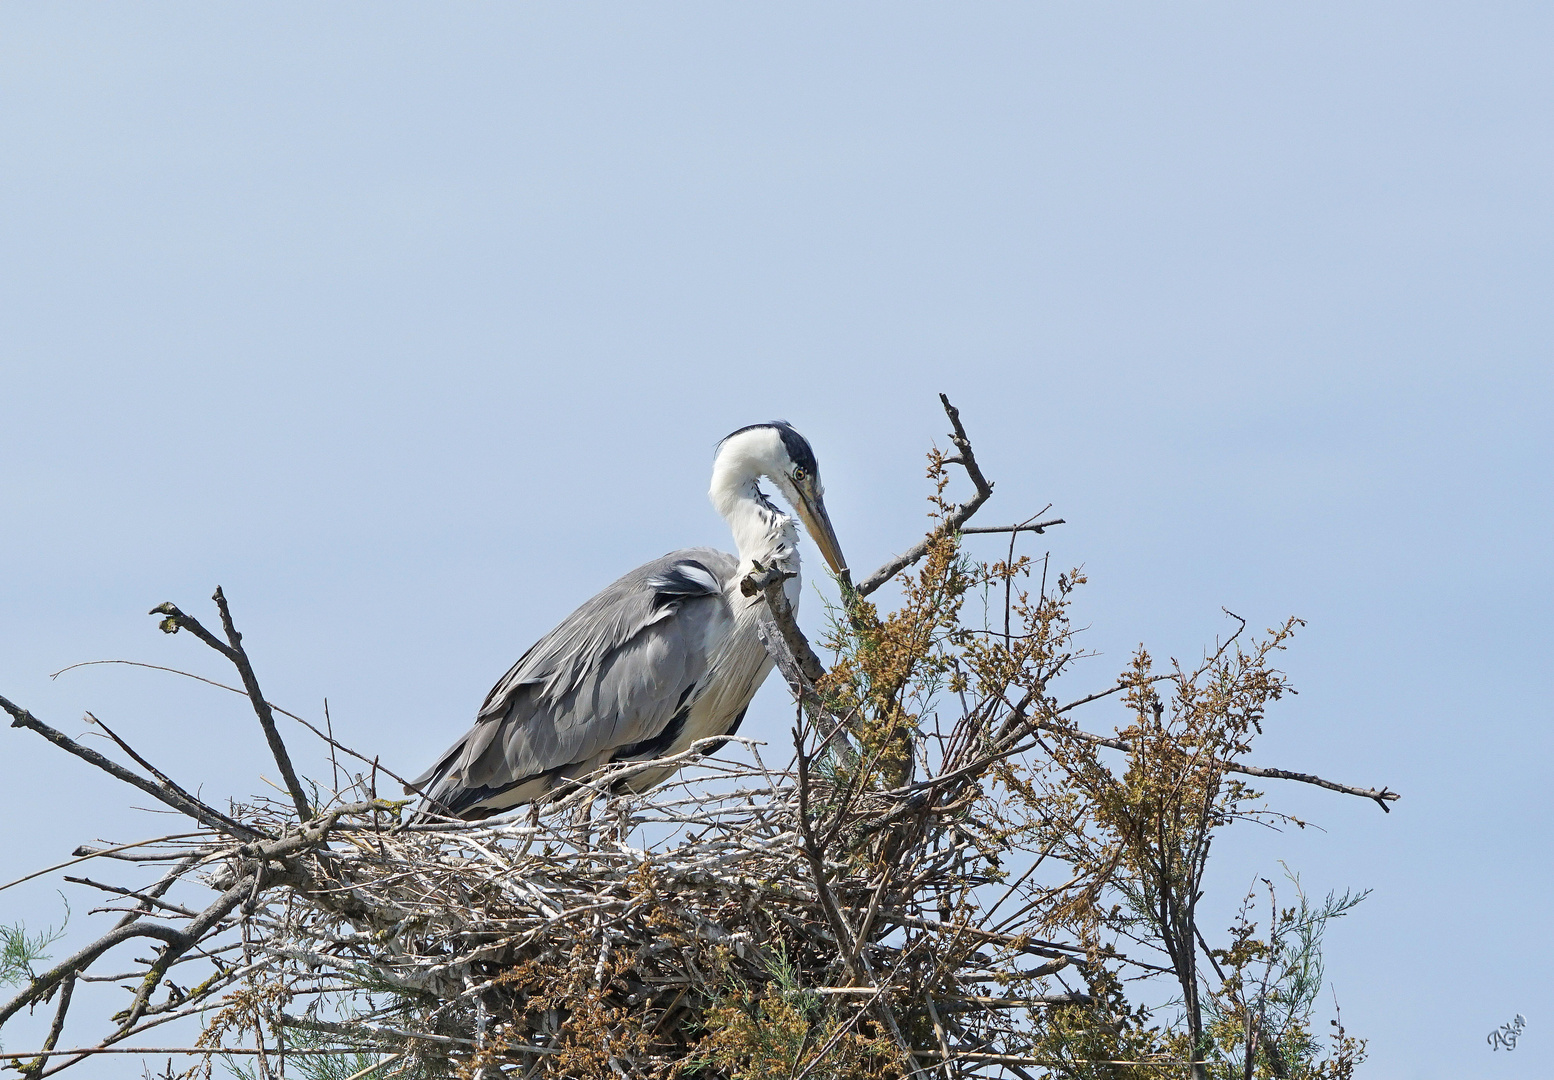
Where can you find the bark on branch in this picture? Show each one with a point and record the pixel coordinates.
(1037, 527)
(258, 853)
(789, 648)
(966, 459)
(167, 792)
(232, 649)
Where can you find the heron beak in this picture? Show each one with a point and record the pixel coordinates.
(812, 509)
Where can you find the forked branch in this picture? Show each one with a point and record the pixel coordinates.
(167, 792)
(966, 459)
(232, 649)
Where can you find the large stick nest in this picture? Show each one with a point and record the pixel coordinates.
(714, 922)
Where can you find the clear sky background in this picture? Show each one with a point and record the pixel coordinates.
(412, 326)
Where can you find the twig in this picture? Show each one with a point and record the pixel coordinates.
(768, 581)
(1381, 797)
(328, 737)
(167, 782)
(177, 799)
(176, 620)
(179, 943)
(40, 986)
(204, 1051)
(1039, 527)
(790, 649)
(94, 853)
(370, 1069)
(120, 891)
(857, 963)
(333, 1028)
(1064, 1063)
(957, 518)
(65, 993)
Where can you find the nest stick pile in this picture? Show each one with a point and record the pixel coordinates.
(640, 935)
(724, 923)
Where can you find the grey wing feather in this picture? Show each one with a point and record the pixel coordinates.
(613, 674)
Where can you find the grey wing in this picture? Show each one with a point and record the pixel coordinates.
(608, 681)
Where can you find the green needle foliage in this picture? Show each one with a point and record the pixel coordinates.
(21, 951)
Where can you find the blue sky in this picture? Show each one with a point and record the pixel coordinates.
(412, 326)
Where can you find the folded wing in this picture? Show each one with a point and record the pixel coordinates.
(610, 679)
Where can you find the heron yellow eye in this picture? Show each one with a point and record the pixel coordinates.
(799, 473)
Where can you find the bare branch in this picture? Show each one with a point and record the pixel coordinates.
(1020, 726)
(236, 827)
(119, 890)
(769, 583)
(328, 738)
(180, 943)
(58, 1026)
(1038, 527)
(176, 620)
(39, 987)
(1381, 796)
(379, 1030)
(199, 1051)
(83, 853)
(958, 517)
(846, 940)
(790, 649)
(172, 796)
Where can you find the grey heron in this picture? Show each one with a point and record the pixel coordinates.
(667, 655)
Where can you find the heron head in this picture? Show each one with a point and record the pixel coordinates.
(775, 450)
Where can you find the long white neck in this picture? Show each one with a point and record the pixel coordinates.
(762, 532)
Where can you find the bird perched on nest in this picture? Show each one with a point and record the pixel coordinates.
(667, 655)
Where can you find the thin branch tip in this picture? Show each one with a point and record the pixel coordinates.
(956, 520)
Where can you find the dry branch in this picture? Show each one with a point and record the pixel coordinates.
(1036, 527)
(232, 649)
(166, 791)
(1381, 796)
(957, 519)
(324, 735)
